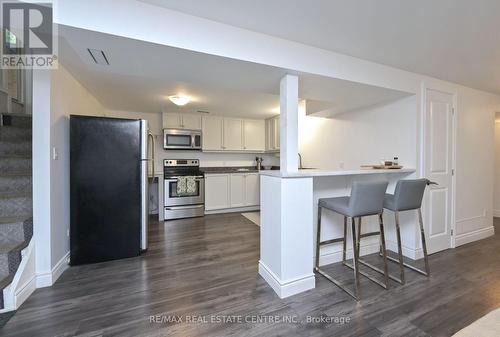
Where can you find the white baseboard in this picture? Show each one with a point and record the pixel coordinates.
(48, 279)
(289, 287)
(483, 233)
(496, 213)
(334, 257)
(233, 210)
(24, 292)
(411, 253)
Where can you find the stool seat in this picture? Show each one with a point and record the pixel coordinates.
(390, 202)
(338, 204)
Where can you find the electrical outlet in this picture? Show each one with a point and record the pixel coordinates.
(341, 165)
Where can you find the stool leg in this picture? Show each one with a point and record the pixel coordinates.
(384, 251)
(355, 247)
(344, 244)
(424, 246)
(400, 250)
(318, 239)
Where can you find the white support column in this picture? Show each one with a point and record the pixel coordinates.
(286, 234)
(289, 123)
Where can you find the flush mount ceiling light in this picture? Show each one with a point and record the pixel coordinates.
(180, 100)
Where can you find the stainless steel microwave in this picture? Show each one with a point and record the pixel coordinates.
(178, 139)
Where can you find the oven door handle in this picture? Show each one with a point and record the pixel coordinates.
(176, 177)
(170, 208)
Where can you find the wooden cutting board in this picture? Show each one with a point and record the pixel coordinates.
(382, 167)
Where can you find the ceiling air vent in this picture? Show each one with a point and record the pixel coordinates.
(98, 56)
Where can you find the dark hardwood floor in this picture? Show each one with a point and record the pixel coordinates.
(206, 268)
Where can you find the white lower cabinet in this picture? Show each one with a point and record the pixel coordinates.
(238, 190)
(252, 190)
(217, 191)
(228, 191)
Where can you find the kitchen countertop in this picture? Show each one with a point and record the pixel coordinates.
(330, 173)
(229, 169)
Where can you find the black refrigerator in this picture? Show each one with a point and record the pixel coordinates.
(108, 188)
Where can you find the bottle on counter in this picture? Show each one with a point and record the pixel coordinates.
(395, 161)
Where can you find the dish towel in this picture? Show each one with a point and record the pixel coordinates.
(186, 185)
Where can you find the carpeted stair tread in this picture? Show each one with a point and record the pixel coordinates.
(16, 205)
(5, 280)
(15, 156)
(16, 174)
(12, 195)
(6, 247)
(14, 219)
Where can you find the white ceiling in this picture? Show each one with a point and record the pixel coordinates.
(142, 75)
(454, 40)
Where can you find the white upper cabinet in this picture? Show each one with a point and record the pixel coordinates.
(212, 134)
(233, 131)
(233, 134)
(254, 135)
(191, 122)
(181, 121)
(171, 121)
(273, 134)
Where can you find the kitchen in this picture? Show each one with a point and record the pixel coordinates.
(213, 120)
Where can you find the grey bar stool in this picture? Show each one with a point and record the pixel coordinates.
(408, 196)
(367, 198)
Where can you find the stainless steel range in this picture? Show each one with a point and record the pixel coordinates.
(189, 203)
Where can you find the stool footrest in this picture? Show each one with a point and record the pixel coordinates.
(337, 283)
(369, 234)
(390, 258)
(327, 242)
(378, 270)
(368, 276)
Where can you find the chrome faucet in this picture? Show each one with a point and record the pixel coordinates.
(300, 162)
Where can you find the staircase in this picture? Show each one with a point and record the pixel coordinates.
(16, 220)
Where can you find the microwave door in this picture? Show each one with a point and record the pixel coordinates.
(174, 141)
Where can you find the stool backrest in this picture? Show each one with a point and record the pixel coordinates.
(367, 197)
(409, 194)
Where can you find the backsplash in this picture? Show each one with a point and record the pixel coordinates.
(213, 159)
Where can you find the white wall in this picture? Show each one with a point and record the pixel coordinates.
(475, 161)
(496, 199)
(361, 137)
(67, 96)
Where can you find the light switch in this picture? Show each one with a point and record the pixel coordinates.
(55, 153)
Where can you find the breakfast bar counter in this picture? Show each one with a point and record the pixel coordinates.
(330, 173)
(289, 208)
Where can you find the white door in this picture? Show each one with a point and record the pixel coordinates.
(171, 120)
(217, 191)
(438, 168)
(237, 188)
(212, 134)
(233, 134)
(252, 190)
(254, 135)
(191, 122)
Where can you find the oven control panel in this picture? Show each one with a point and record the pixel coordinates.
(181, 162)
